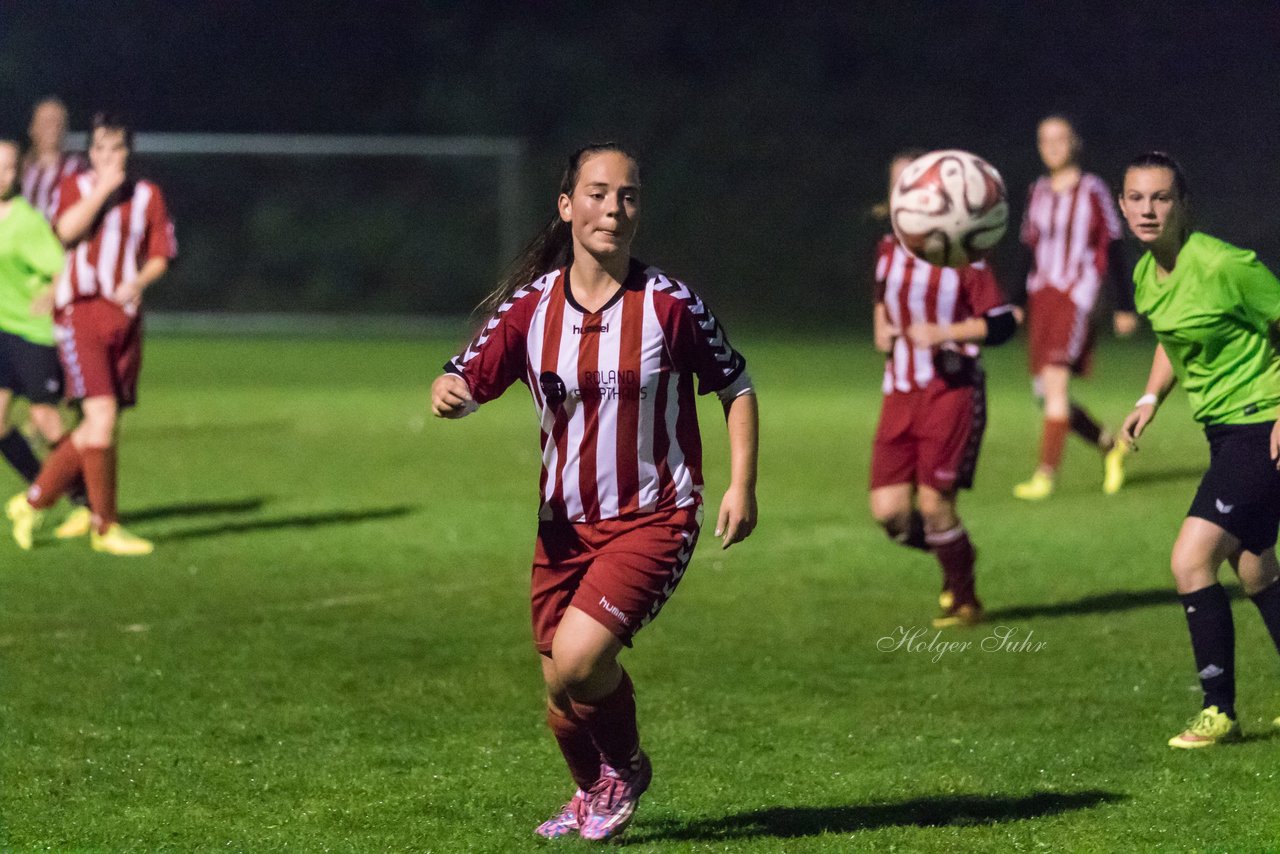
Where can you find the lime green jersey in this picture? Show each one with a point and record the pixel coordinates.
(1214, 314)
(30, 256)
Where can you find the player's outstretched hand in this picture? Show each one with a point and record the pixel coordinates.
(450, 397)
(1137, 421)
(42, 302)
(737, 517)
(1275, 444)
(1125, 323)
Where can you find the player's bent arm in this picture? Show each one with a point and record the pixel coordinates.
(737, 516)
(76, 222)
(450, 397)
(1160, 381)
(995, 327)
(885, 331)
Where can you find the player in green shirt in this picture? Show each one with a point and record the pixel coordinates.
(30, 256)
(1216, 314)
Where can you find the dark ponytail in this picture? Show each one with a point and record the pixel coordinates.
(552, 247)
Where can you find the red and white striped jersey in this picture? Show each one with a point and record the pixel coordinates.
(613, 390)
(124, 236)
(40, 184)
(914, 291)
(1068, 233)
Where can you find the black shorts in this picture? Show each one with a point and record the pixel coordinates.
(1241, 490)
(30, 370)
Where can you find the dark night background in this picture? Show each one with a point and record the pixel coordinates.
(763, 129)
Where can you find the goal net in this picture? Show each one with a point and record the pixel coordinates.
(411, 226)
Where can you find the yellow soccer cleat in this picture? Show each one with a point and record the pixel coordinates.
(117, 541)
(1113, 468)
(1206, 729)
(77, 524)
(960, 615)
(25, 520)
(1038, 488)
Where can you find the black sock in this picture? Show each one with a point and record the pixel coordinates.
(14, 447)
(1213, 640)
(913, 536)
(1268, 602)
(1083, 425)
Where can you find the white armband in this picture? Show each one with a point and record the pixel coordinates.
(1147, 400)
(736, 389)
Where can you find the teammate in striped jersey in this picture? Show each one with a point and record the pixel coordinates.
(1072, 236)
(119, 241)
(610, 349)
(46, 163)
(929, 321)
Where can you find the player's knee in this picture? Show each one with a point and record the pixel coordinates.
(1192, 570)
(577, 670)
(891, 513)
(938, 512)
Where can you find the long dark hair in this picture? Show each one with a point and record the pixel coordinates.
(552, 246)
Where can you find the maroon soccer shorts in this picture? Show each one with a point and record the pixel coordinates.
(619, 571)
(1059, 332)
(930, 437)
(100, 346)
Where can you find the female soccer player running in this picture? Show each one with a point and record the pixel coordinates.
(30, 256)
(1073, 242)
(1215, 311)
(609, 348)
(930, 320)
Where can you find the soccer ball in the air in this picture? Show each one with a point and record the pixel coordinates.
(949, 208)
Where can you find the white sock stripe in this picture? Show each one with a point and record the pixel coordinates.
(941, 538)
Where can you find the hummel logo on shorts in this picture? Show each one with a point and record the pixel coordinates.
(1223, 508)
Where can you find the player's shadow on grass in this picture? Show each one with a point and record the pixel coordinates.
(193, 508)
(1103, 603)
(300, 521)
(1140, 477)
(943, 811)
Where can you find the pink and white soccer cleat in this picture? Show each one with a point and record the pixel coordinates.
(613, 799)
(567, 820)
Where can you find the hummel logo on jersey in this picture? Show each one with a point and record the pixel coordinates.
(1223, 508)
(602, 328)
(1211, 671)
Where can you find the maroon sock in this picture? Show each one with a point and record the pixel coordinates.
(1051, 442)
(60, 470)
(611, 720)
(100, 479)
(579, 750)
(956, 554)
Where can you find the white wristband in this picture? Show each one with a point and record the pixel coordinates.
(1147, 400)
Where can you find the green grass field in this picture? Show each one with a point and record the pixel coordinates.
(330, 649)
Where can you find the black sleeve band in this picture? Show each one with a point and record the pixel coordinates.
(1001, 324)
(1121, 274)
(1017, 289)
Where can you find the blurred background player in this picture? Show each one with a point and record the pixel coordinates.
(1215, 310)
(30, 256)
(119, 241)
(46, 163)
(1071, 234)
(609, 349)
(930, 320)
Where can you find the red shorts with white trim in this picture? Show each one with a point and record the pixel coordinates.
(100, 346)
(930, 437)
(620, 572)
(1059, 332)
